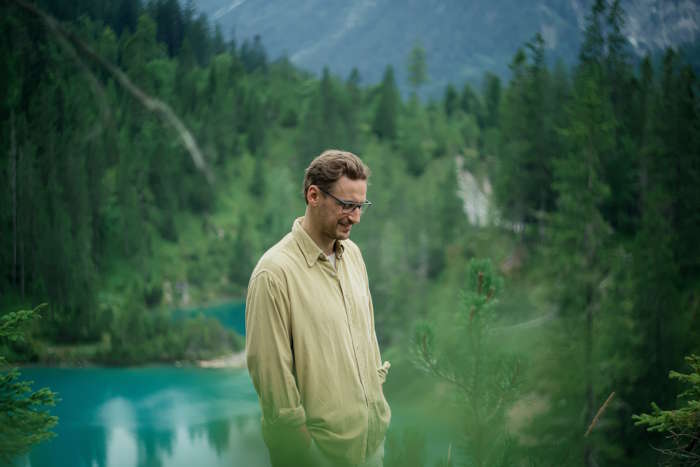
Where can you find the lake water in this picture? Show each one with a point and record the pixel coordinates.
(153, 416)
(169, 416)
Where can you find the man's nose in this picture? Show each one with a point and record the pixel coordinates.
(355, 215)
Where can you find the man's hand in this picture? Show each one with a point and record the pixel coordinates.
(290, 447)
(305, 435)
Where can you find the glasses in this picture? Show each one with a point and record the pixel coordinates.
(348, 206)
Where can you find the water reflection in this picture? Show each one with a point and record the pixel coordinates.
(151, 417)
(218, 433)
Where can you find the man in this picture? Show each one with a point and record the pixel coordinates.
(311, 346)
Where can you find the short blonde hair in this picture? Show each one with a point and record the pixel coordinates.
(330, 166)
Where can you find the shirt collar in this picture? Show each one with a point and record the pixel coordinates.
(312, 253)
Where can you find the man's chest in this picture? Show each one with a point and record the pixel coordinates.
(330, 308)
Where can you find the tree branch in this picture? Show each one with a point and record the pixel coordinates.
(149, 102)
(599, 413)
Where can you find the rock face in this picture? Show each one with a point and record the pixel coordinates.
(655, 25)
(463, 39)
(474, 196)
(477, 201)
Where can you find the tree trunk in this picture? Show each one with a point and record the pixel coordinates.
(21, 266)
(590, 244)
(588, 448)
(13, 190)
(23, 229)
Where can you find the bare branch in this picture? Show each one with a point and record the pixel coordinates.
(432, 367)
(599, 413)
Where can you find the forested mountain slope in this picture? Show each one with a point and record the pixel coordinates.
(463, 39)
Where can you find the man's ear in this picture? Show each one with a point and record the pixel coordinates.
(313, 195)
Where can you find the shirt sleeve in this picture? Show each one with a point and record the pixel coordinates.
(382, 369)
(269, 353)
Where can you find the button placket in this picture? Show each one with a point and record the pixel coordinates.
(352, 331)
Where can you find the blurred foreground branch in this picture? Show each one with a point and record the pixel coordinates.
(682, 425)
(598, 414)
(464, 352)
(24, 419)
(70, 41)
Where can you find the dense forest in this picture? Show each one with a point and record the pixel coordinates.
(592, 174)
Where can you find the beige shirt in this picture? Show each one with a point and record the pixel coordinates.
(311, 347)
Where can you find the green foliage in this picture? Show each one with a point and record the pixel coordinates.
(463, 352)
(406, 451)
(386, 114)
(492, 99)
(329, 120)
(24, 418)
(451, 100)
(415, 141)
(682, 425)
(531, 116)
(138, 336)
(417, 67)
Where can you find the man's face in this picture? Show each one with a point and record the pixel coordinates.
(334, 223)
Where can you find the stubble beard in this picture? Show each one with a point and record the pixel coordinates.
(341, 231)
(344, 233)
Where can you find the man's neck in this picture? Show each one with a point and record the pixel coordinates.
(325, 244)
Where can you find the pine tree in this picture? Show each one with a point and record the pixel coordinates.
(451, 100)
(415, 141)
(656, 272)
(620, 166)
(492, 99)
(417, 67)
(24, 418)
(593, 48)
(255, 122)
(386, 114)
(530, 139)
(682, 425)
(471, 105)
(329, 120)
(579, 241)
(463, 352)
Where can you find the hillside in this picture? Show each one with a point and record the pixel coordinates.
(462, 39)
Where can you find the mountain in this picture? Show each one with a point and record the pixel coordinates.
(463, 39)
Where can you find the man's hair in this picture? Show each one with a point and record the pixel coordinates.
(330, 166)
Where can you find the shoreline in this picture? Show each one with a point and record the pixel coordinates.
(232, 360)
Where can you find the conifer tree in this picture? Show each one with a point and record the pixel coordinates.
(470, 104)
(580, 237)
(24, 418)
(682, 425)
(384, 124)
(417, 68)
(329, 119)
(492, 99)
(451, 100)
(530, 139)
(462, 351)
(620, 166)
(593, 48)
(656, 271)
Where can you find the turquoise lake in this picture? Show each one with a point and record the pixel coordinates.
(152, 416)
(167, 415)
(162, 416)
